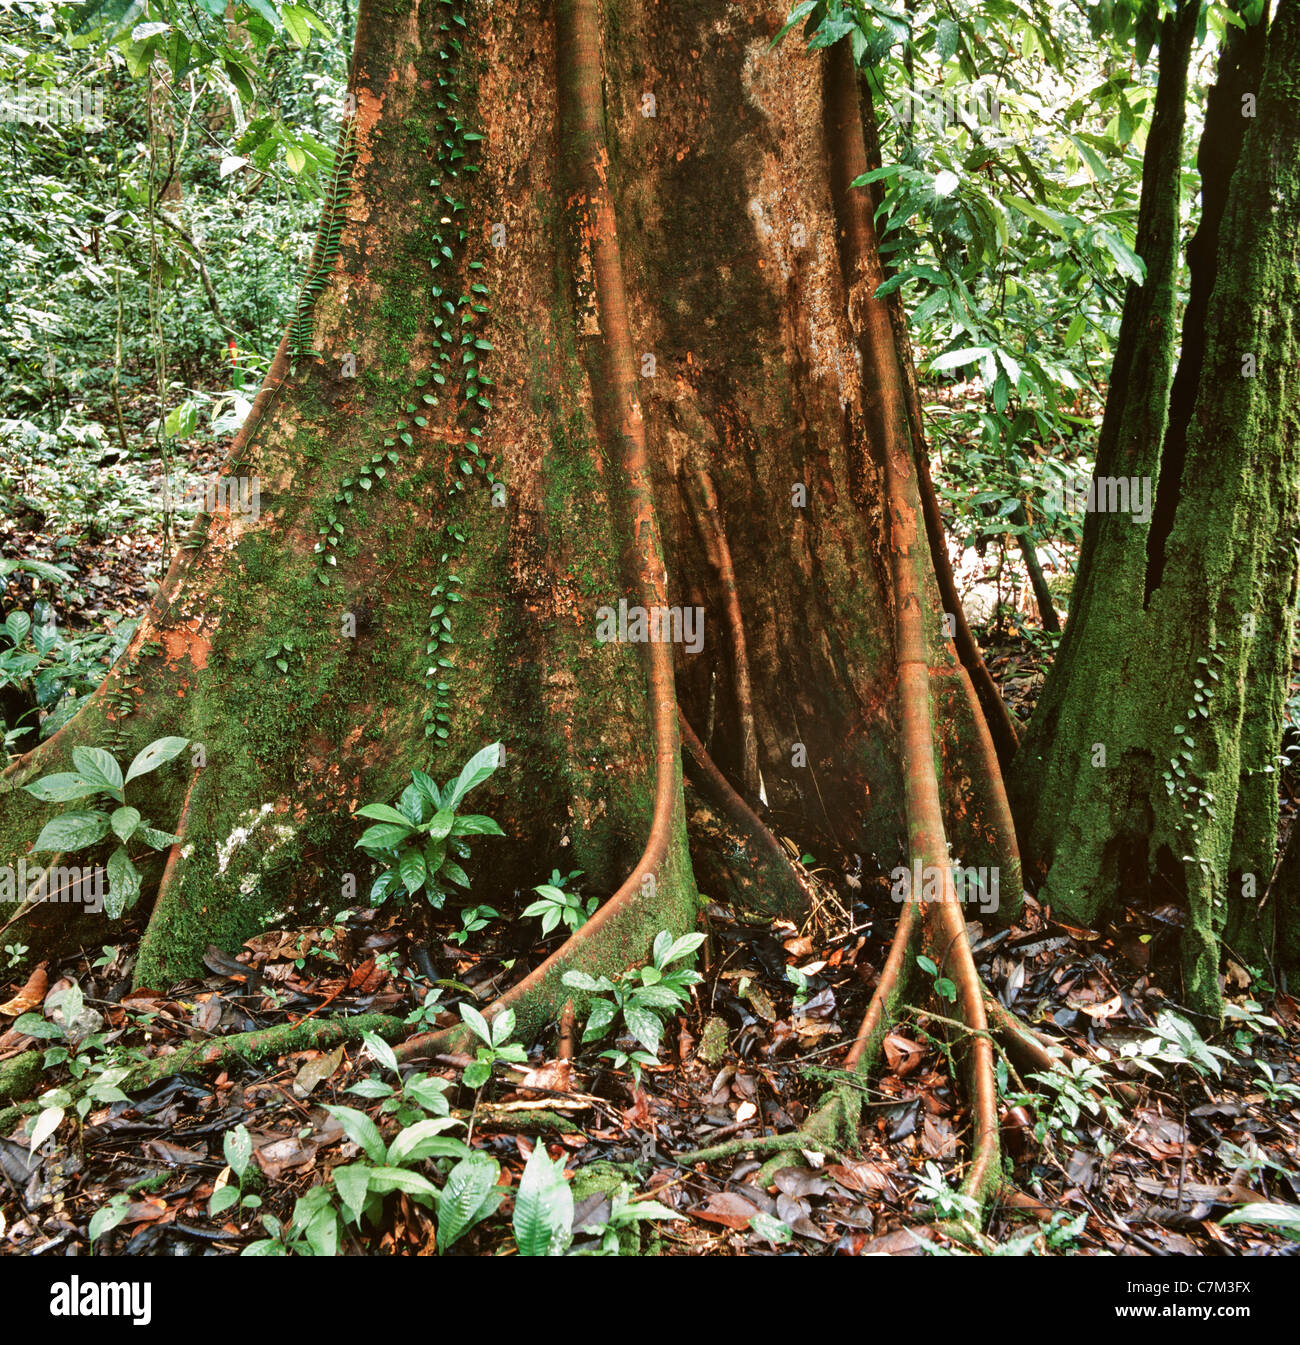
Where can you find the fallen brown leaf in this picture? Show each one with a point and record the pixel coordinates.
(30, 997)
(902, 1054)
(317, 1071)
(726, 1208)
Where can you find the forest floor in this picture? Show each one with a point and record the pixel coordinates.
(1214, 1122)
(1212, 1127)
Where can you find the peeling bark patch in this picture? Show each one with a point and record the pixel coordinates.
(185, 642)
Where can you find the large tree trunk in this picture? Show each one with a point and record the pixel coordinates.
(1149, 765)
(687, 395)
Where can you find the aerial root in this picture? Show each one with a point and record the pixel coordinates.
(718, 788)
(703, 499)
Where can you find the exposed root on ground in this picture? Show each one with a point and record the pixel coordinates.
(284, 1038)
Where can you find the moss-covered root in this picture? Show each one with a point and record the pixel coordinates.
(21, 1076)
(618, 936)
(316, 1034)
(835, 1122)
(789, 1142)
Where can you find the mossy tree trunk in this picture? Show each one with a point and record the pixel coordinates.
(1148, 771)
(656, 396)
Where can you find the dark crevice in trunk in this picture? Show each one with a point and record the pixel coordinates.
(1240, 66)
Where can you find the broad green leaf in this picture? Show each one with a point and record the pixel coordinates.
(237, 1145)
(800, 11)
(687, 944)
(33, 1025)
(644, 1026)
(543, 1218)
(428, 787)
(413, 869)
(476, 825)
(1129, 263)
(658, 997)
(424, 1140)
(320, 1225)
(381, 1050)
(385, 835)
(222, 1199)
(296, 22)
(61, 788)
(603, 1013)
(476, 770)
(579, 980)
(659, 949)
(382, 812)
(946, 182)
(454, 873)
(382, 886)
(97, 767)
(181, 421)
(434, 854)
(428, 1093)
(317, 23)
(1049, 219)
(477, 1023)
(466, 1198)
(370, 1088)
(266, 10)
(40, 568)
(108, 1218)
(503, 1026)
(124, 821)
(945, 38)
(361, 1129)
(771, 1229)
(353, 1185)
(628, 1211)
(954, 358)
(72, 831)
(1285, 1217)
(111, 15)
(123, 883)
(440, 825)
(46, 1124)
(414, 805)
(383, 1180)
(155, 839)
(158, 753)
